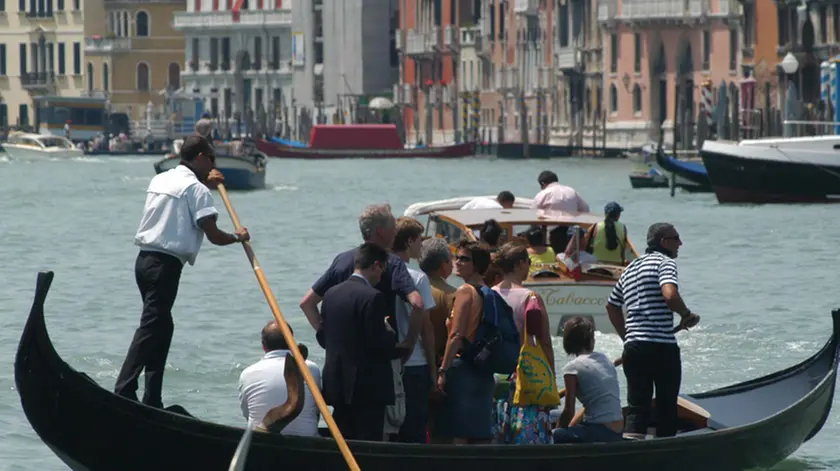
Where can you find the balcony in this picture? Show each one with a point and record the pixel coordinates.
(565, 58)
(471, 37)
(451, 37)
(97, 45)
(526, 7)
(670, 11)
(423, 43)
(403, 94)
(191, 21)
(37, 80)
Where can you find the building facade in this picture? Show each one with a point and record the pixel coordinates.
(41, 54)
(759, 52)
(134, 58)
(657, 53)
(239, 65)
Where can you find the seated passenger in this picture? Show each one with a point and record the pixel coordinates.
(262, 385)
(591, 378)
(538, 251)
(490, 234)
(569, 256)
(608, 238)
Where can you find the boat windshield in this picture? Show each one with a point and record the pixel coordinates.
(55, 142)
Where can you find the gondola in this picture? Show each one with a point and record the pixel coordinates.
(755, 424)
(690, 171)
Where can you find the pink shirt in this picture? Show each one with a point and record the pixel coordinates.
(557, 197)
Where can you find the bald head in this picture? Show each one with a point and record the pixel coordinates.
(204, 128)
(272, 337)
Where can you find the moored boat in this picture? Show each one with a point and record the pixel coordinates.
(25, 146)
(693, 172)
(754, 424)
(242, 167)
(652, 178)
(564, 294)
(791, 170)
(348, 141)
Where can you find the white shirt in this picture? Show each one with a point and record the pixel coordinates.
(482, 203)
(557, 197)
(262, 387)
(403, 310)
(175, 201)
(584, 257)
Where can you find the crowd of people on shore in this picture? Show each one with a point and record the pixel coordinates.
(411, 358)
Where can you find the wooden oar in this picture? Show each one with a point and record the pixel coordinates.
(238, 461)
(290, 339)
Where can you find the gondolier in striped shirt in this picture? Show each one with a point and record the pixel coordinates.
(650, 290)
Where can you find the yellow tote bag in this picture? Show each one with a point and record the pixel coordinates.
(535, 382)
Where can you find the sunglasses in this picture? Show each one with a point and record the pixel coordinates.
(676, 237)
(463, 259)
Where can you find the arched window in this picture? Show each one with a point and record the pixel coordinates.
(90, 76)
(637, 99)
(143, 77)
(106, 80)
(613, 99)
(141, 24)
(174, 76)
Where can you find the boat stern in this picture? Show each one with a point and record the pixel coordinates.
(566, 300)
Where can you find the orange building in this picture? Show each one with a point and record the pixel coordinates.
(760, 48)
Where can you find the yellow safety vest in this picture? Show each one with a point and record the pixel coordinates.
(599, 245)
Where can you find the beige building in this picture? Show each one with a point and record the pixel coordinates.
(41, 54)
(133, 56)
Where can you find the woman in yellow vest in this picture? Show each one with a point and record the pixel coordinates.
(608, 239)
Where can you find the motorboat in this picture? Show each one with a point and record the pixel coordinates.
(26, 146)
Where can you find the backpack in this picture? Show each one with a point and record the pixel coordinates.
(496, 346)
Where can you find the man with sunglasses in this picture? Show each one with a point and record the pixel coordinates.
(650, 290)
(177, 215)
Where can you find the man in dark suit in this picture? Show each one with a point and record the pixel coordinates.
(357, 377)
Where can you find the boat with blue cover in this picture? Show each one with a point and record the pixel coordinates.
(693, 172)
(242, 165)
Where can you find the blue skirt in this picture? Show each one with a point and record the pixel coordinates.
(466, 411)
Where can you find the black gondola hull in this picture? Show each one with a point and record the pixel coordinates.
(91, 429)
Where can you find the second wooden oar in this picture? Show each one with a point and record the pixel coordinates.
(290, 340)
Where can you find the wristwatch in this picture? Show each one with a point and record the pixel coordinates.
(441, 371)
(237, 237)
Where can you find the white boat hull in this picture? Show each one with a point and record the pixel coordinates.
(17, 152)
(566, 300)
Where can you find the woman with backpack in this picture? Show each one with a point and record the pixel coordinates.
(523, 417)
(464, 414)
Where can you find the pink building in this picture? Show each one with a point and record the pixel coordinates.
(657, 55)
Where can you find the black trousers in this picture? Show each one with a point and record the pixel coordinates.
(157, 275)
(648, 365)
(360, 422)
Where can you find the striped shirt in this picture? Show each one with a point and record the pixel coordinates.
(640, 289)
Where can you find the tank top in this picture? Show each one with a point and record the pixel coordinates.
(547, 257)
(599, 245)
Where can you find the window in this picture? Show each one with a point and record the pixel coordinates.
(215, 5)
(174, 76)
(62, 64)
(22, 56)
(613, 99)
(258, 53)
(733, 49)
(4, 115)
(51, 57)
(227, 103)
(613, 53)
(143, 76)
(60, 5)
(77, 5)
(22, 6)
(77, 58)
(2, 59)
(637, 53)
(275, 53)
(637, 99)
(707, 49)
(141, 24)
(194, 55)
(214, 53)
(90, 76)
(225, 54)
(278, 4)
(106, 79)
(23, 115)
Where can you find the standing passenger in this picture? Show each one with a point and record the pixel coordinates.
(556, 197)
(650, 290)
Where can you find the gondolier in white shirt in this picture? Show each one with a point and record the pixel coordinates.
(177, 215)
(650, 290)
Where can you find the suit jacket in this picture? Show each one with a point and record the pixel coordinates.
(359, 347)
